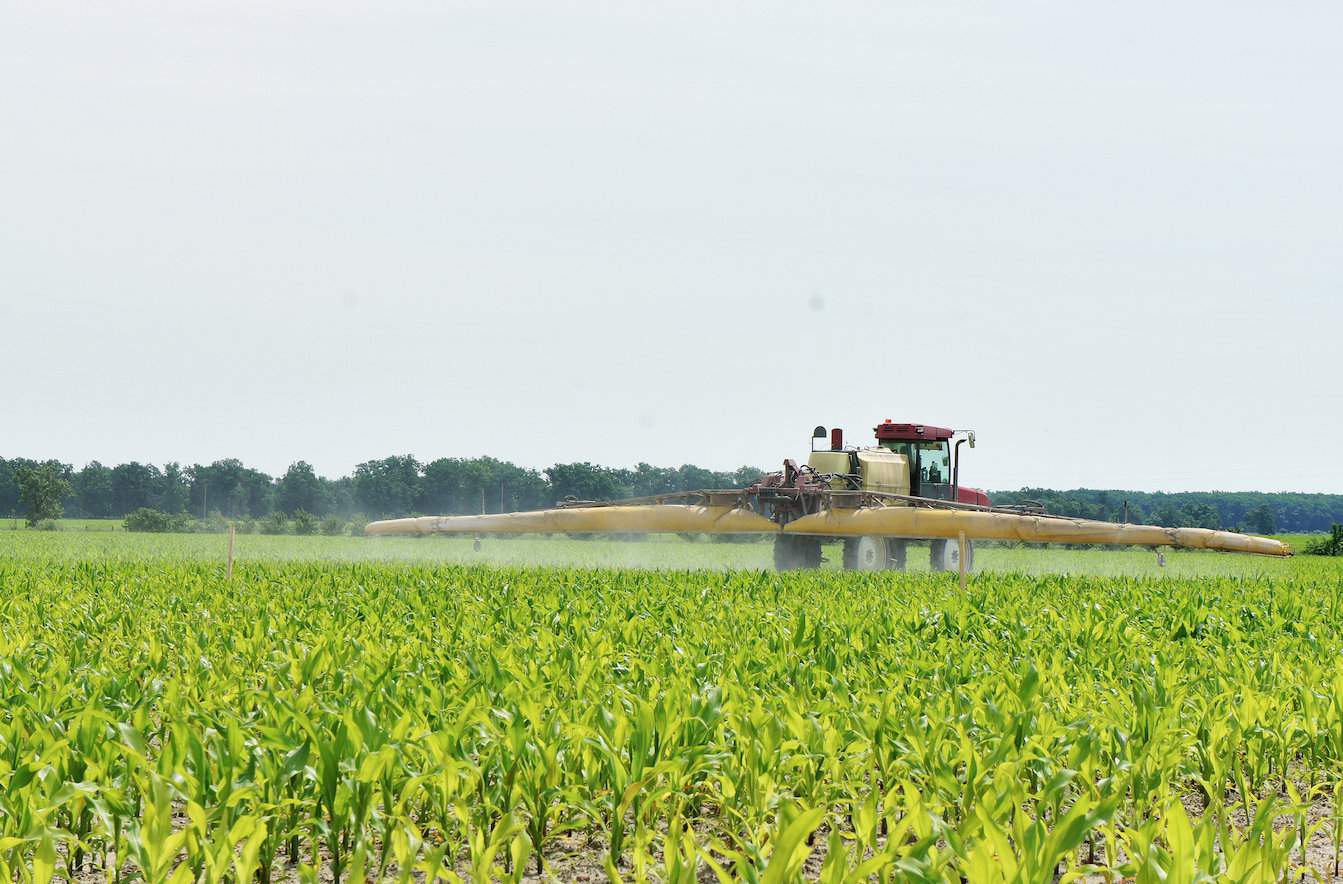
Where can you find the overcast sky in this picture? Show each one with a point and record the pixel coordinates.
(1105, 235)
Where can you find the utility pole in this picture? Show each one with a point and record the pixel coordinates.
(205, 500)
(502, 508)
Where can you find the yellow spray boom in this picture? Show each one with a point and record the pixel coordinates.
(874, 498)
(731, 512)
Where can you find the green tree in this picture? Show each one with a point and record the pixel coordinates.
(135, 486)
(461, 485)
(522, 489)
(451, 485)
(646, 480)
(1329, 546)
(743, 476)
(585, 481)
(304, 522)
(340, 495)
(1262, 520)
(1203, 515)
(10, 503)
(387, 487)
(300, 489)
(173, 496)
(1291, 512)
(275, 523)
(154, 521)
(228, 487)
(93, 491)
(691, 478)
(41, 488)
(1170, 515)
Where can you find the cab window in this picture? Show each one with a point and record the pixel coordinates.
(934, 463)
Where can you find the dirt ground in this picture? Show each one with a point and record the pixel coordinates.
(579, 859)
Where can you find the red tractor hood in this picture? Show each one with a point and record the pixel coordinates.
(972, 495)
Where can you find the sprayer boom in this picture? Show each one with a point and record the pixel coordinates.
(736, 512)
(876, 499)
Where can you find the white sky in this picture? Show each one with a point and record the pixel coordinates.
(1104, 235)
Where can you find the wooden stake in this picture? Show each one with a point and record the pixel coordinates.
(961, 540)
(230, 552)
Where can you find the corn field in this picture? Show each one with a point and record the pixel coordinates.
(366, 721)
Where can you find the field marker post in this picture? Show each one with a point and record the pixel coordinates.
(961, 558)
(231, 531)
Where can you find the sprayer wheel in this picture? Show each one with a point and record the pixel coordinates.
(899, 553)
(866, 554)
(793, 552)
(945, 555)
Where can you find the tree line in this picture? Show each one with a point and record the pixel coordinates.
(402, 485)
(391, 486)
(1253, 511)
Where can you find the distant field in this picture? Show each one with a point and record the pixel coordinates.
(81, 540)
(13, 524)
(743, 556)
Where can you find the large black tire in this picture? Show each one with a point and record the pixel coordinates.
(793, 552)
(937, 555)
(944, 555)
(899, 554)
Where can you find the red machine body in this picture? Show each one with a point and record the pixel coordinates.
(972, 495)
(919, 442)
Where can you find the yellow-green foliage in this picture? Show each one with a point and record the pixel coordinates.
(470, 722)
